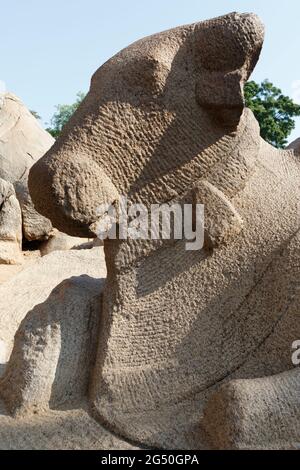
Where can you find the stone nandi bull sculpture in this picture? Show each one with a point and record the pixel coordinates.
(165, 120)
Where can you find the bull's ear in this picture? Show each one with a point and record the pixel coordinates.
(226, 51)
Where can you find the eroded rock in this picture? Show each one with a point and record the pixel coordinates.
(61, 242)
(10, 225)
(295, 146)
(165, 121)
(54, 349)
(34, 285)
(261, 413)
(22, 142)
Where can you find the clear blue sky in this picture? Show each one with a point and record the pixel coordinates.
(49, 50)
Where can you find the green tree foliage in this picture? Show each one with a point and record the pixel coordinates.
(273, 110)
(62, 115)
(35, 114)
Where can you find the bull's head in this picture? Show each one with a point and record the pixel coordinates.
(159, 115)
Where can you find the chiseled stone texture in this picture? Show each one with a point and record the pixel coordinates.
(164, 121)
(61, 242)
(67, 429)
(295, 146)
(258, 413)
(10, 225)
(22, 142)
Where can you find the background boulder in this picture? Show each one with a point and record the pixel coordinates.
(10, 225)
(295, 145)
(22, 142)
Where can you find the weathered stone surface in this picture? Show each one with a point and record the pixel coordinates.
(258, 413)
(34, 285)
(35, 226)
(53, 353)
(10, 225)
(54, 349)
(165, 121)
(22, 142)
(71, 429)
(7, 271)
(295, 146)
(61, 242)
